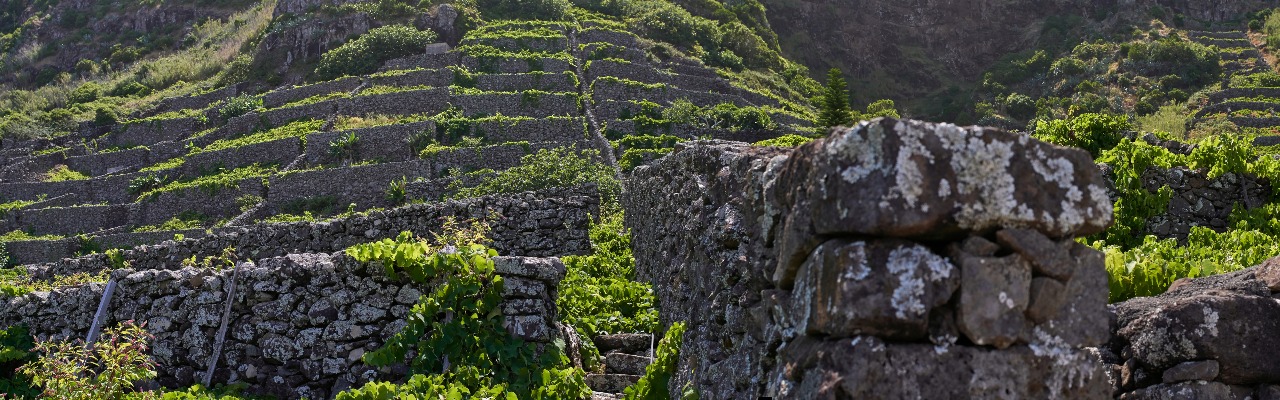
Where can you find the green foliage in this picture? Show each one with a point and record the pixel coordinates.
(396, 191)
(364, 54)
(1149, 268)
(1256, 80)
(198, 392)
(144, 183)
(456, 331)
(240, 105)
(834, 106)
(61, 173)
(344, 146)
(550, 168)
(298, 129)
(20, 235)
(16, 344)
(221, 179)
(598, 294)
(726, 116)
(105, 369)
(1094, 133)
(785, 141)
(6, 208)
(878, 108)
(655, 384)
(184, 221)
(525, 9)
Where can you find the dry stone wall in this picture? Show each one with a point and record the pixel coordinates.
(297, 325)
(895, 259)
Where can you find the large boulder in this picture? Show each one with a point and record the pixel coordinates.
(1231, 319)
(918, 180)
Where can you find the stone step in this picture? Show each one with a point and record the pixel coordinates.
(605, 396)
(611, 383)
(620, 363)
(630, 343)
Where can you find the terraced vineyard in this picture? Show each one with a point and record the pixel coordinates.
(231, 210)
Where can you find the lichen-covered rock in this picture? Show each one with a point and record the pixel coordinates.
(921, 180)
(1239, 331)
(884, 288)
(994, 294)
(868, 368)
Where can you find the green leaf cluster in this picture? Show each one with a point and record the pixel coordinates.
(656, 382)
(550, 168)
(599, 294)
(364, 54)
(455, 333)
(1091, 131)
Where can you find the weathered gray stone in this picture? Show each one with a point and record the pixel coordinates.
(883, 288)
(611, 383)
(994, 294)
(1191, 371)
(1047, 257)
(1197, 390)
(932, 181)
(1047, 296)
(1082, 319)
(621, 363)
(1234, 329)
(630, 343)
(867, 368)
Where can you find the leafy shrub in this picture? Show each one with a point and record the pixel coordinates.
(240, 105)
(396, 191)
(105, 369)
(103, 116)
(655, 384)
(598, 294)
(16, 344)
(1260, 79)
(1149, 268)
(87, 92)
(144, 183)
(62, 173)
(130, 89)
(785, 141)
(364, 54)
(345, 146)
(1091, 132)
(878, 108)
(456, 331)
(550, 168)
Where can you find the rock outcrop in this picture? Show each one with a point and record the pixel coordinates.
(1213, 337)
(895, 259)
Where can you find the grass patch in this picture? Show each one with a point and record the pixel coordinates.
(298, 129)
(212, 183)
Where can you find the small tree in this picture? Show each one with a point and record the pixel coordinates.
(835, 101)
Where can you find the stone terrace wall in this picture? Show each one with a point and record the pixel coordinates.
(537, 224)
(297, 324)
(896, 259)
(1200, 201)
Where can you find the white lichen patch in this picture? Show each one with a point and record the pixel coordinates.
(1071, 368)
(909, 179)
(982, 174)
(1007, 301)
(863, 147)
(1209, 325)
(944, 188)
(857, 254)
(1055, 170)
(912, 265)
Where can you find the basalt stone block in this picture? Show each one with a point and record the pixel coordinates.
(868, 368)
(918, 180)
(884, 288)
(1234, 329)
(994, 294)
(1082, 318)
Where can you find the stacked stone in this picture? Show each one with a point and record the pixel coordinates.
(1216, 337)
(625, 357)
(297, 325)
(895, 259)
